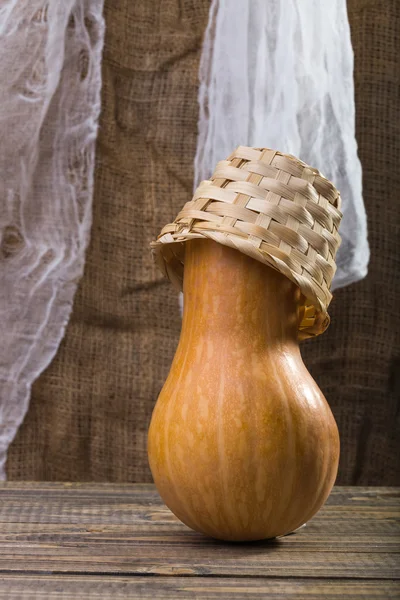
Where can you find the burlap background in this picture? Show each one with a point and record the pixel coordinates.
(90, 410)
(357, 361)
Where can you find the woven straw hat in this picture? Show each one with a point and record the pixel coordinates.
(274, 208)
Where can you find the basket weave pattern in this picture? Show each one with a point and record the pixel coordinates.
(274, 208)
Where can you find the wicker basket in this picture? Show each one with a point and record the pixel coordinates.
(274, 208)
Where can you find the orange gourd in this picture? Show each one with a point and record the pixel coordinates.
(242, 444)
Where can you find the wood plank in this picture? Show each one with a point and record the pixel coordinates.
(91, 528)
(68, 587)
(146, 562)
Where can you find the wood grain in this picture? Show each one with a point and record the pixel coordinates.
(103, 537)
(67, 587)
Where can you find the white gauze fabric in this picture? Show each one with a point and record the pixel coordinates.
(50, 58)
(279, 73)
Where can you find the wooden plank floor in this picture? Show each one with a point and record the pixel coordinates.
(113, 541)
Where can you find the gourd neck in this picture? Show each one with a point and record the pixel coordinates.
(228, 293)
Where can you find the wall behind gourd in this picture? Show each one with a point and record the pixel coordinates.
(90, 410)
(357, 361)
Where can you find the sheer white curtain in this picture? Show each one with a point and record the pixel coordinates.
(50, 57)
(279, 73)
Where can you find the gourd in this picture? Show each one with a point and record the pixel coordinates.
(242, 444)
